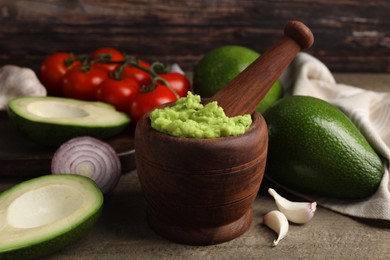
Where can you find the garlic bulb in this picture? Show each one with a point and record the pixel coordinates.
(16, 82)
(297, 212)
(278, 222)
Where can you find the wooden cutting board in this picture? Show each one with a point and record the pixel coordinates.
(21, 157)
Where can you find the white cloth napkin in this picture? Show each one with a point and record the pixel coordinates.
(369, 110)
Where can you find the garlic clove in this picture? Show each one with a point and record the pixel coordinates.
(297, 212)
(278, 222)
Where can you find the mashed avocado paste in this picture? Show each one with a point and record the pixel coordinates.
(190, 118)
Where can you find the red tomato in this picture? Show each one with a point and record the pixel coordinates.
(143, 77)
(83, 85)
(144, 102)
(118, 92)
(53, 69)
(115, 56)
(178, 82)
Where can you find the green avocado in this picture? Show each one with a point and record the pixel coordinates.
(44, 214)
(221, 65)
(314, 148)
(54, 120)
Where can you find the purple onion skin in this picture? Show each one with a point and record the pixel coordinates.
(89, 157)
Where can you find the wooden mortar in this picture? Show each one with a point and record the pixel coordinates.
(201, 191)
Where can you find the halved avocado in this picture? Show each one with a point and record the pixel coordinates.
(44, 214)
(54, 120)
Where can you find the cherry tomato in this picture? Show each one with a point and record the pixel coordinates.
(83, 85)
(115, 56)
(118, 92)
(53, 69)
(144, 102)
(143, 77)
(178, 82)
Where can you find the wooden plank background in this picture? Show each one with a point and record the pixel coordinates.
(351, 36)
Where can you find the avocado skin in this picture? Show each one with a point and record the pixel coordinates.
(49, 245)
(315, 148)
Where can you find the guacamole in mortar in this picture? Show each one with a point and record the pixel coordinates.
(189, 118)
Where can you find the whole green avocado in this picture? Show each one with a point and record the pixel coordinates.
(314, 148)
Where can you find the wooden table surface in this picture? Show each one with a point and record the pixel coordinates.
(123, 233)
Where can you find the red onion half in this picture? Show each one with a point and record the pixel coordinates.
(89, 157)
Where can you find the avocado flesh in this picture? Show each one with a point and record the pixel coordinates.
(316, 149)
(53, 120)
(42, 215)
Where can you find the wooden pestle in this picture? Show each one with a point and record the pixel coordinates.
(244, 92)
